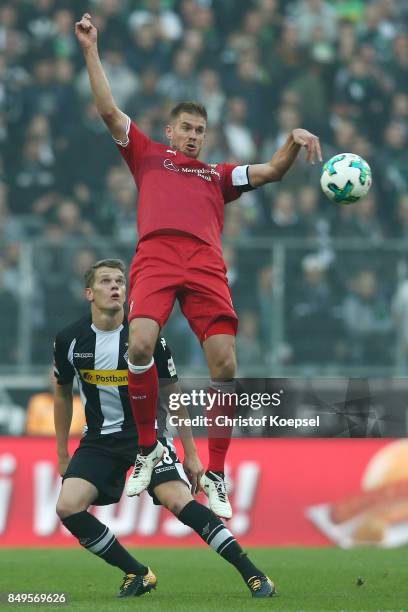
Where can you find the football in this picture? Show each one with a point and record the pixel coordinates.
(346, 178)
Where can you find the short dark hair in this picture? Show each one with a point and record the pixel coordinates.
(194, 108)
(89, 275)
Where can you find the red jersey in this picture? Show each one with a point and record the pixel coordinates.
(177, 192)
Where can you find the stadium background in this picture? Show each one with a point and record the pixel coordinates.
(318, 287)
(321, 290)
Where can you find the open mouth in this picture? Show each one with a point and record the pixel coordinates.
(191, 147)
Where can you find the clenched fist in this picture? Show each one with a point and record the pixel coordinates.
(85, 32)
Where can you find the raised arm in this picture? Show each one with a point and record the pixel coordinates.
(62, 422)
(114, 118)
(276, 168)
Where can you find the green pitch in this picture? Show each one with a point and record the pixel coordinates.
(197, 579)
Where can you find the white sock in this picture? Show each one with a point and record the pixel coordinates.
(140, 369)
(222, 386)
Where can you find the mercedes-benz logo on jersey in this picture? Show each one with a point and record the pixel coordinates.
(170, 165)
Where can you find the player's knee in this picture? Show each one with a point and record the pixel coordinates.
(65, 509)
(140, 350)
(175, 505)
(224, 366)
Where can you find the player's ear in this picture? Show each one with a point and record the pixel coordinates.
(169, 131)
(89, 294)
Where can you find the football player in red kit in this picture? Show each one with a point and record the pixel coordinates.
(179, 255)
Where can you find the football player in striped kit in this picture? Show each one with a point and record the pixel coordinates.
(94, 351)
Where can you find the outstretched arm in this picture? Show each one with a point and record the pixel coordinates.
(116, 121)
(276, 168)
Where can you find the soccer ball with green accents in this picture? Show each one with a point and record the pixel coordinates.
(346, 178)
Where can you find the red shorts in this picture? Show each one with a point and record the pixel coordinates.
(169, 266)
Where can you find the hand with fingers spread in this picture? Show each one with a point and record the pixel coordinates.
(311, 142)
(86, 32)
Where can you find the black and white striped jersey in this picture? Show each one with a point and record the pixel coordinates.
(98, 360)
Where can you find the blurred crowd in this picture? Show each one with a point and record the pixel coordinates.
(338, 68)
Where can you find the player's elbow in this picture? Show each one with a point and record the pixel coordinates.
(62, 393)
(109, 116)
(276, 173)
(113, 118)
(278, 166)
(107, 113)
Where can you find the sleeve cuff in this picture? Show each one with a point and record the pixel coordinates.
(124, 143)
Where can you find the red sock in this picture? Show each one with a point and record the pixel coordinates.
(143, 394)
(219, 436)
